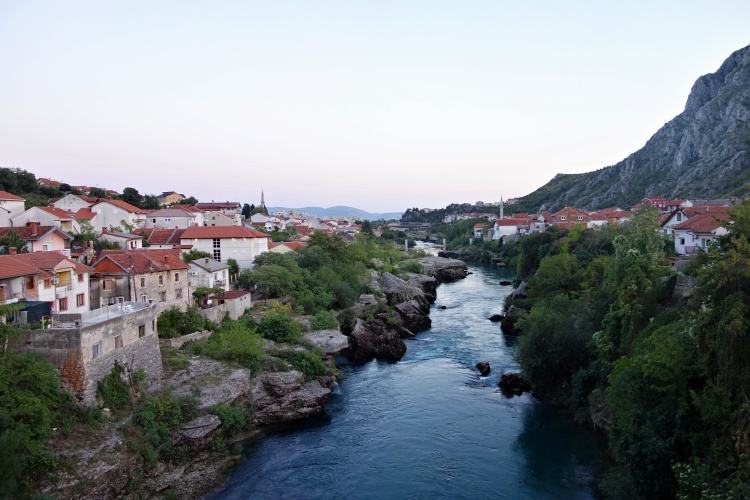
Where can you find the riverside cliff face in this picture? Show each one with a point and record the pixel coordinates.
(703, 152)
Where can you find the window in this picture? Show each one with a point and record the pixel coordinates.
(80, 278)
(679, 217)
(118, 342)
(105, 284)
(177, 277)
(30, 283)
(144, 298)
(161, 279)
(580, 217)
(62, 304)
(45, 247)
(562, 217)
(143, 282)
(80, 299)
(153, 221)
(163, 296)
(96, 350)
(47, 282)
(141, 331)
(167, 219)
(682, 241)
(153, 325)
(178, 293)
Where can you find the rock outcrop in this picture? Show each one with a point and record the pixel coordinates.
(283, 397)
(508, 324)
(513, 384)
(366, 344)
(442, 269)
(484, 368)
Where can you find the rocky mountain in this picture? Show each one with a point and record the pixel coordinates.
(703, 152)
(340, 211)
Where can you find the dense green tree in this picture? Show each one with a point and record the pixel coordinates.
(150, 202)
(195, 254)
(12, 240)
(132, 196)
(96, 192)
(190, 200)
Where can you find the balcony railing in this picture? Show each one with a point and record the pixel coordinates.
(220, 282)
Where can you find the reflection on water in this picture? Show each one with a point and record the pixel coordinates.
(429, 426)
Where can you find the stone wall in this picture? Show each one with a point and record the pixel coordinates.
(180, 341)
(234, 308)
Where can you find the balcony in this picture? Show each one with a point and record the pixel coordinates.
(220, 282)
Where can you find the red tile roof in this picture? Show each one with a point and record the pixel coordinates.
(34, 233)
(203, 232)
(124, 205)
(6, 196)
(507, 222)
(142, 261)
(23, 264)
(84, 214)
(705, 223)
(158, 236)
(234, 294)
(57, 212)
(294, 245)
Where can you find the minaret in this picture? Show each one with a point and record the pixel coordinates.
(502, 207)
(263, 201)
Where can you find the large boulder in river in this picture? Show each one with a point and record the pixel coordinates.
(510, 319)
(397, 291)
(520, 292)
(428, 284)
(365, 344)
(484, 368)
(414, 317)
(513, 384)
(443, 270)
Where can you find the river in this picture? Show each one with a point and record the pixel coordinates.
(429, 426)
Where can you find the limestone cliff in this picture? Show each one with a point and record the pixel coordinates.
(703, 152)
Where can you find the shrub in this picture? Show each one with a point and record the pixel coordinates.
(239, 343)
(232, 418)
(175, 323)
(280, 327)
(324, 320)
(155, 420)
(308, 362)
(411, 266)
(113, 390)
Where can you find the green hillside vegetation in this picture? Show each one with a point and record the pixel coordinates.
(667, 377)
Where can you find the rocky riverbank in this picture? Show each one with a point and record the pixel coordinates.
(103, 466)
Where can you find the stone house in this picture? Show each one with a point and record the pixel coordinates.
(153, 276)
(126, 241)
(86, 345)
(10, 206)
(232, 242)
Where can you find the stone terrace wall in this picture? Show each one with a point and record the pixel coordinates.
(235, 308)
(180, 341)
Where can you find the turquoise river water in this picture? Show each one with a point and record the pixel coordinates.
(429, 426)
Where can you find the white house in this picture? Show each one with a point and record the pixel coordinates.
(171, 218)
(10, 206)
(73, 202)
(696, 233)
(505, 227)
(126, 241)
(112, 213)
(209, 273)
(57, 279)
(227, 242)
(47, 216)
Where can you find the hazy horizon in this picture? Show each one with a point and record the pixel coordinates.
(380, 106)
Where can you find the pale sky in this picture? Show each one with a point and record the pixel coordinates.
(380, 105)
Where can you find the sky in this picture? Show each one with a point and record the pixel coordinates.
(379, 105)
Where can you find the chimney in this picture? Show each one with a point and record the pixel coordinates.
(206, 260)
(12, 251)
(166, 259)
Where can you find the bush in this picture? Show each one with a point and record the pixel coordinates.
(308, 362)
(280, 327)
(411, 266)
(113, 390)
(324, 320)
(175, 323)
(232, 418)
(155, 420)
(239, 343)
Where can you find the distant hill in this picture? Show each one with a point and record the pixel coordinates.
(340, 210)
(703, 152)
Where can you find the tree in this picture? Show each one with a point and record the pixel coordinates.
(96, 192)
(246, 211)
(190, 200)
(132, 196)
(12, 240)
(86, 232)
(366, 227)
(150, 201)
(194, 254)
(234, 269)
